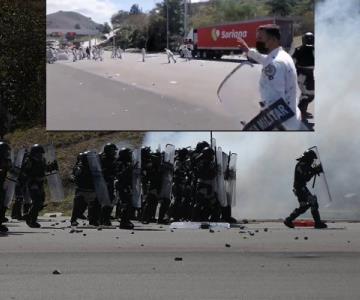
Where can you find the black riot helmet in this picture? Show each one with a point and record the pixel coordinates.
(110, 150)
(182, 153)
(36, 149)
(200, 146)
(308, 39)
(145, 152)
(208, 153)
(4, 148)
(82, 158)
(308, 156)
(125, 154)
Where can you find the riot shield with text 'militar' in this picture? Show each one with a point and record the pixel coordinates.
(319, 185)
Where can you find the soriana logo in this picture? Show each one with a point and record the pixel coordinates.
(215, 34)
(226, 35)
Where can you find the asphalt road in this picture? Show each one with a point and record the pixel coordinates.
(261, 261)
(129, 94)
(80, 100)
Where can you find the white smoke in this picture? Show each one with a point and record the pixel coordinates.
(266, 160)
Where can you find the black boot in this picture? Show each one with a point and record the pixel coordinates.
(164, 207)
(16, 211)
(3, 219)
(105, 216)
(318, 223)
(93, 213)
(31, 218)
(125, 222)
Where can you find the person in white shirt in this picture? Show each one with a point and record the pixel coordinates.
(279, 78)
(143, 52)
(170, 55)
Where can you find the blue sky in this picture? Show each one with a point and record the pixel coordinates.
(99, 10)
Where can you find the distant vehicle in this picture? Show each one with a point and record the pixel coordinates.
(213, 42)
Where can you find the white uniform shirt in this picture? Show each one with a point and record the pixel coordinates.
(278, 80)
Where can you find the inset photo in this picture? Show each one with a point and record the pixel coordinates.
(180, 65)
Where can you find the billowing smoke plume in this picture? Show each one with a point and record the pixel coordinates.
(266, 160)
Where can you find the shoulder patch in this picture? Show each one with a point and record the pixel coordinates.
(270, 71)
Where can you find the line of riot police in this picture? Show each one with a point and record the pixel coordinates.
(140, 184)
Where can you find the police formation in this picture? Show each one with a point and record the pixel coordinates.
(153, 186)
(138, 184)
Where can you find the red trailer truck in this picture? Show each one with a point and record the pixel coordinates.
(215, 41)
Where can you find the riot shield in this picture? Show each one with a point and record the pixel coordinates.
(52, 175)
(12, 178)
(215, 181)
(231, 180)
(221, 193)
(225, 158)
(168, 167)
(240, 95)
(319, 185)
(136, 178)
(101, 189)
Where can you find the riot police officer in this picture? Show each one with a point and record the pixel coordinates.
(5, 166)
(21, 204)
(206, 204)
(35, 172)
(108, 164)
(84, 191)
(304, 63)
(304, 172)
(152, 181)
(181, 205)
(124, 188)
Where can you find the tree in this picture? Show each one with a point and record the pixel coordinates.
(22, 61)
(135, 10)
(106, 28)
(281, 7)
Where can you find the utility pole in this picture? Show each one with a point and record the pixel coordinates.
(185, 17)
(167, 24)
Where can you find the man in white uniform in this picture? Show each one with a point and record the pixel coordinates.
(278, 79)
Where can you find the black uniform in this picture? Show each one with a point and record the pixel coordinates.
(35, 172)
(152, 180)
(108, 164)
(5, 166)
(304, 172)
(206, 206)
(124, 187)
(85, 195)
(182, 187)
(305, 62)
(22, 201)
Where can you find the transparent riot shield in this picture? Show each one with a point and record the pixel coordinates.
(319, 185)
(225, 158)
(221, 193)
(168, 167)
(215, 181)
(231, 180)
(240, 95)
(12, 177)
(101, 189)
(52, 175)
(136, 178)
